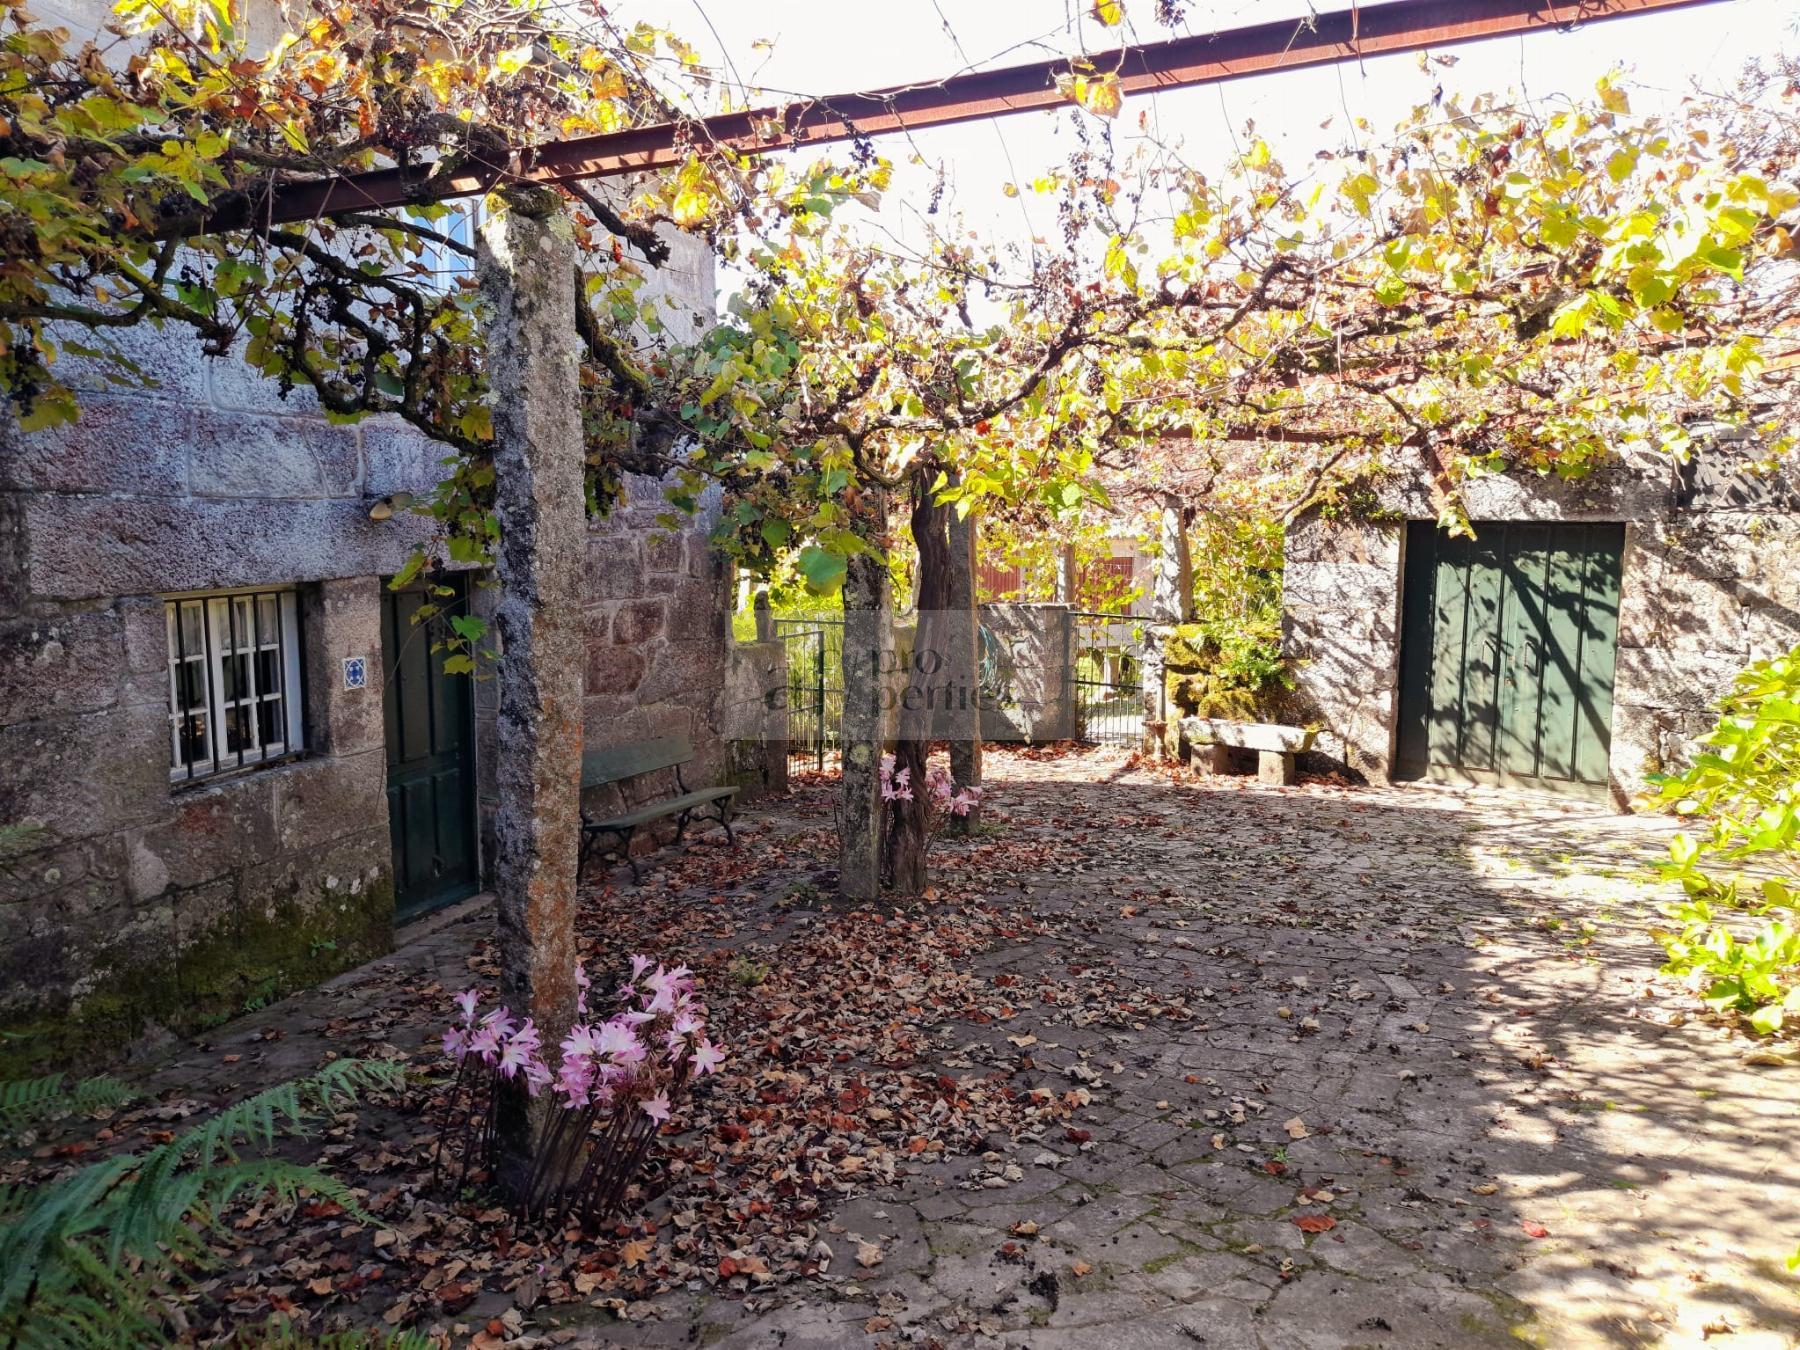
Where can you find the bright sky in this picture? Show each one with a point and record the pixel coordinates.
(834, 46)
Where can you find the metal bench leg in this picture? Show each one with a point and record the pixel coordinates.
(681, 824)
(725, 820)
(637, 874)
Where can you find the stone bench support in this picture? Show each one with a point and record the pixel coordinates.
(1275, 745)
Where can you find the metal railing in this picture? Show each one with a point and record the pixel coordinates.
(1105, 665)
(815, 691)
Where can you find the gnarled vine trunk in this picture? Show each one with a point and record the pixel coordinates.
(922, 694)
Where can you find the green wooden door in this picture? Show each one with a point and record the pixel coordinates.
(431, 763)
(1506, 664)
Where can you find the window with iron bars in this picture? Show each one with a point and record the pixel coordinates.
(234, 681)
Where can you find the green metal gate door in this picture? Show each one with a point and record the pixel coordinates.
(1506, 657)
(431, 762)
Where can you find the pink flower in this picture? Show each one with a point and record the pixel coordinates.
(964, 802)
(456, 1042)
(582, 983)
(619, 1043)
(486, 1043)
(580, 1043)
(466, 1001)
(657, 1107)
(687, 1022)
(501, 1021)
(575, 1081)
(665, 986)
(707, 1057)
(537, 1074)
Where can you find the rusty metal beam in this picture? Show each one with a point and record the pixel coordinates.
(1371, 30)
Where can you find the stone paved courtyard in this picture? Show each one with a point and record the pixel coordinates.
(1413, 1090)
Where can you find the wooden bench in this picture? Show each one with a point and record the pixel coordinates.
(1275, 745)
(601, 768)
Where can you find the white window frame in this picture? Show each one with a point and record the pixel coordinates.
(443, 266)
(234, 624)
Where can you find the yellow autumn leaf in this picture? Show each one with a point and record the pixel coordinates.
(1110, 12)
(1099, 94)
(514, 59)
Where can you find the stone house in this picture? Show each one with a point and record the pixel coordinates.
(1575, 645)
(229, 762)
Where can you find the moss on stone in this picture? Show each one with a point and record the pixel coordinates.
(263, 955)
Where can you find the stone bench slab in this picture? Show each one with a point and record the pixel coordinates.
(1265, 736)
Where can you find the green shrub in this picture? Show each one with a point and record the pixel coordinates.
(92, 1259)
(1738, 936)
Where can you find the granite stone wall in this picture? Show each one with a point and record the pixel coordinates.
(1039, 704)
(1710, 582)
(130, 906)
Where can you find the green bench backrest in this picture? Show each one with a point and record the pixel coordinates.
(619, 762)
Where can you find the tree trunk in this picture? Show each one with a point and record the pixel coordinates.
(962, 661)
(868, 657)
(922, 693)
(526, 256)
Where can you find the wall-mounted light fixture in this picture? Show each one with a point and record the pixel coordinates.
(385, 507)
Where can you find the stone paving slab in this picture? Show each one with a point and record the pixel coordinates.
(1422, 1022)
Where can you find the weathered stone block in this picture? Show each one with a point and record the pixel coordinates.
(664, 552)
(1275, 767)
(637, 622)
(1769, 631)
(683, 671)
(697, 614)
(614, 569)
(135, 445)
(209, 831)
(86, 774)
(82, 547)
(1656, 677)
(1664, 607)
(171, 359)
(319, 800)
(242, 455)
(54, 666)
(341, 619)
(397, 458)
(614, 670)
(236, 386)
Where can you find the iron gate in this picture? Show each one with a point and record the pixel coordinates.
(1105, 664)
(815, 665)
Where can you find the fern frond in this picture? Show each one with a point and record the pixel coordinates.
(27, 1102)
(281, 1334)
(90, 1260)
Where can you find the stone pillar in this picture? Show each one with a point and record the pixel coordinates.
(868, 659)
(1068, 577)
(961, 637)
(527, 270)
(765, 616)
(1171, 602)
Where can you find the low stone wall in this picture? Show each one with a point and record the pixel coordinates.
(1037, 703)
